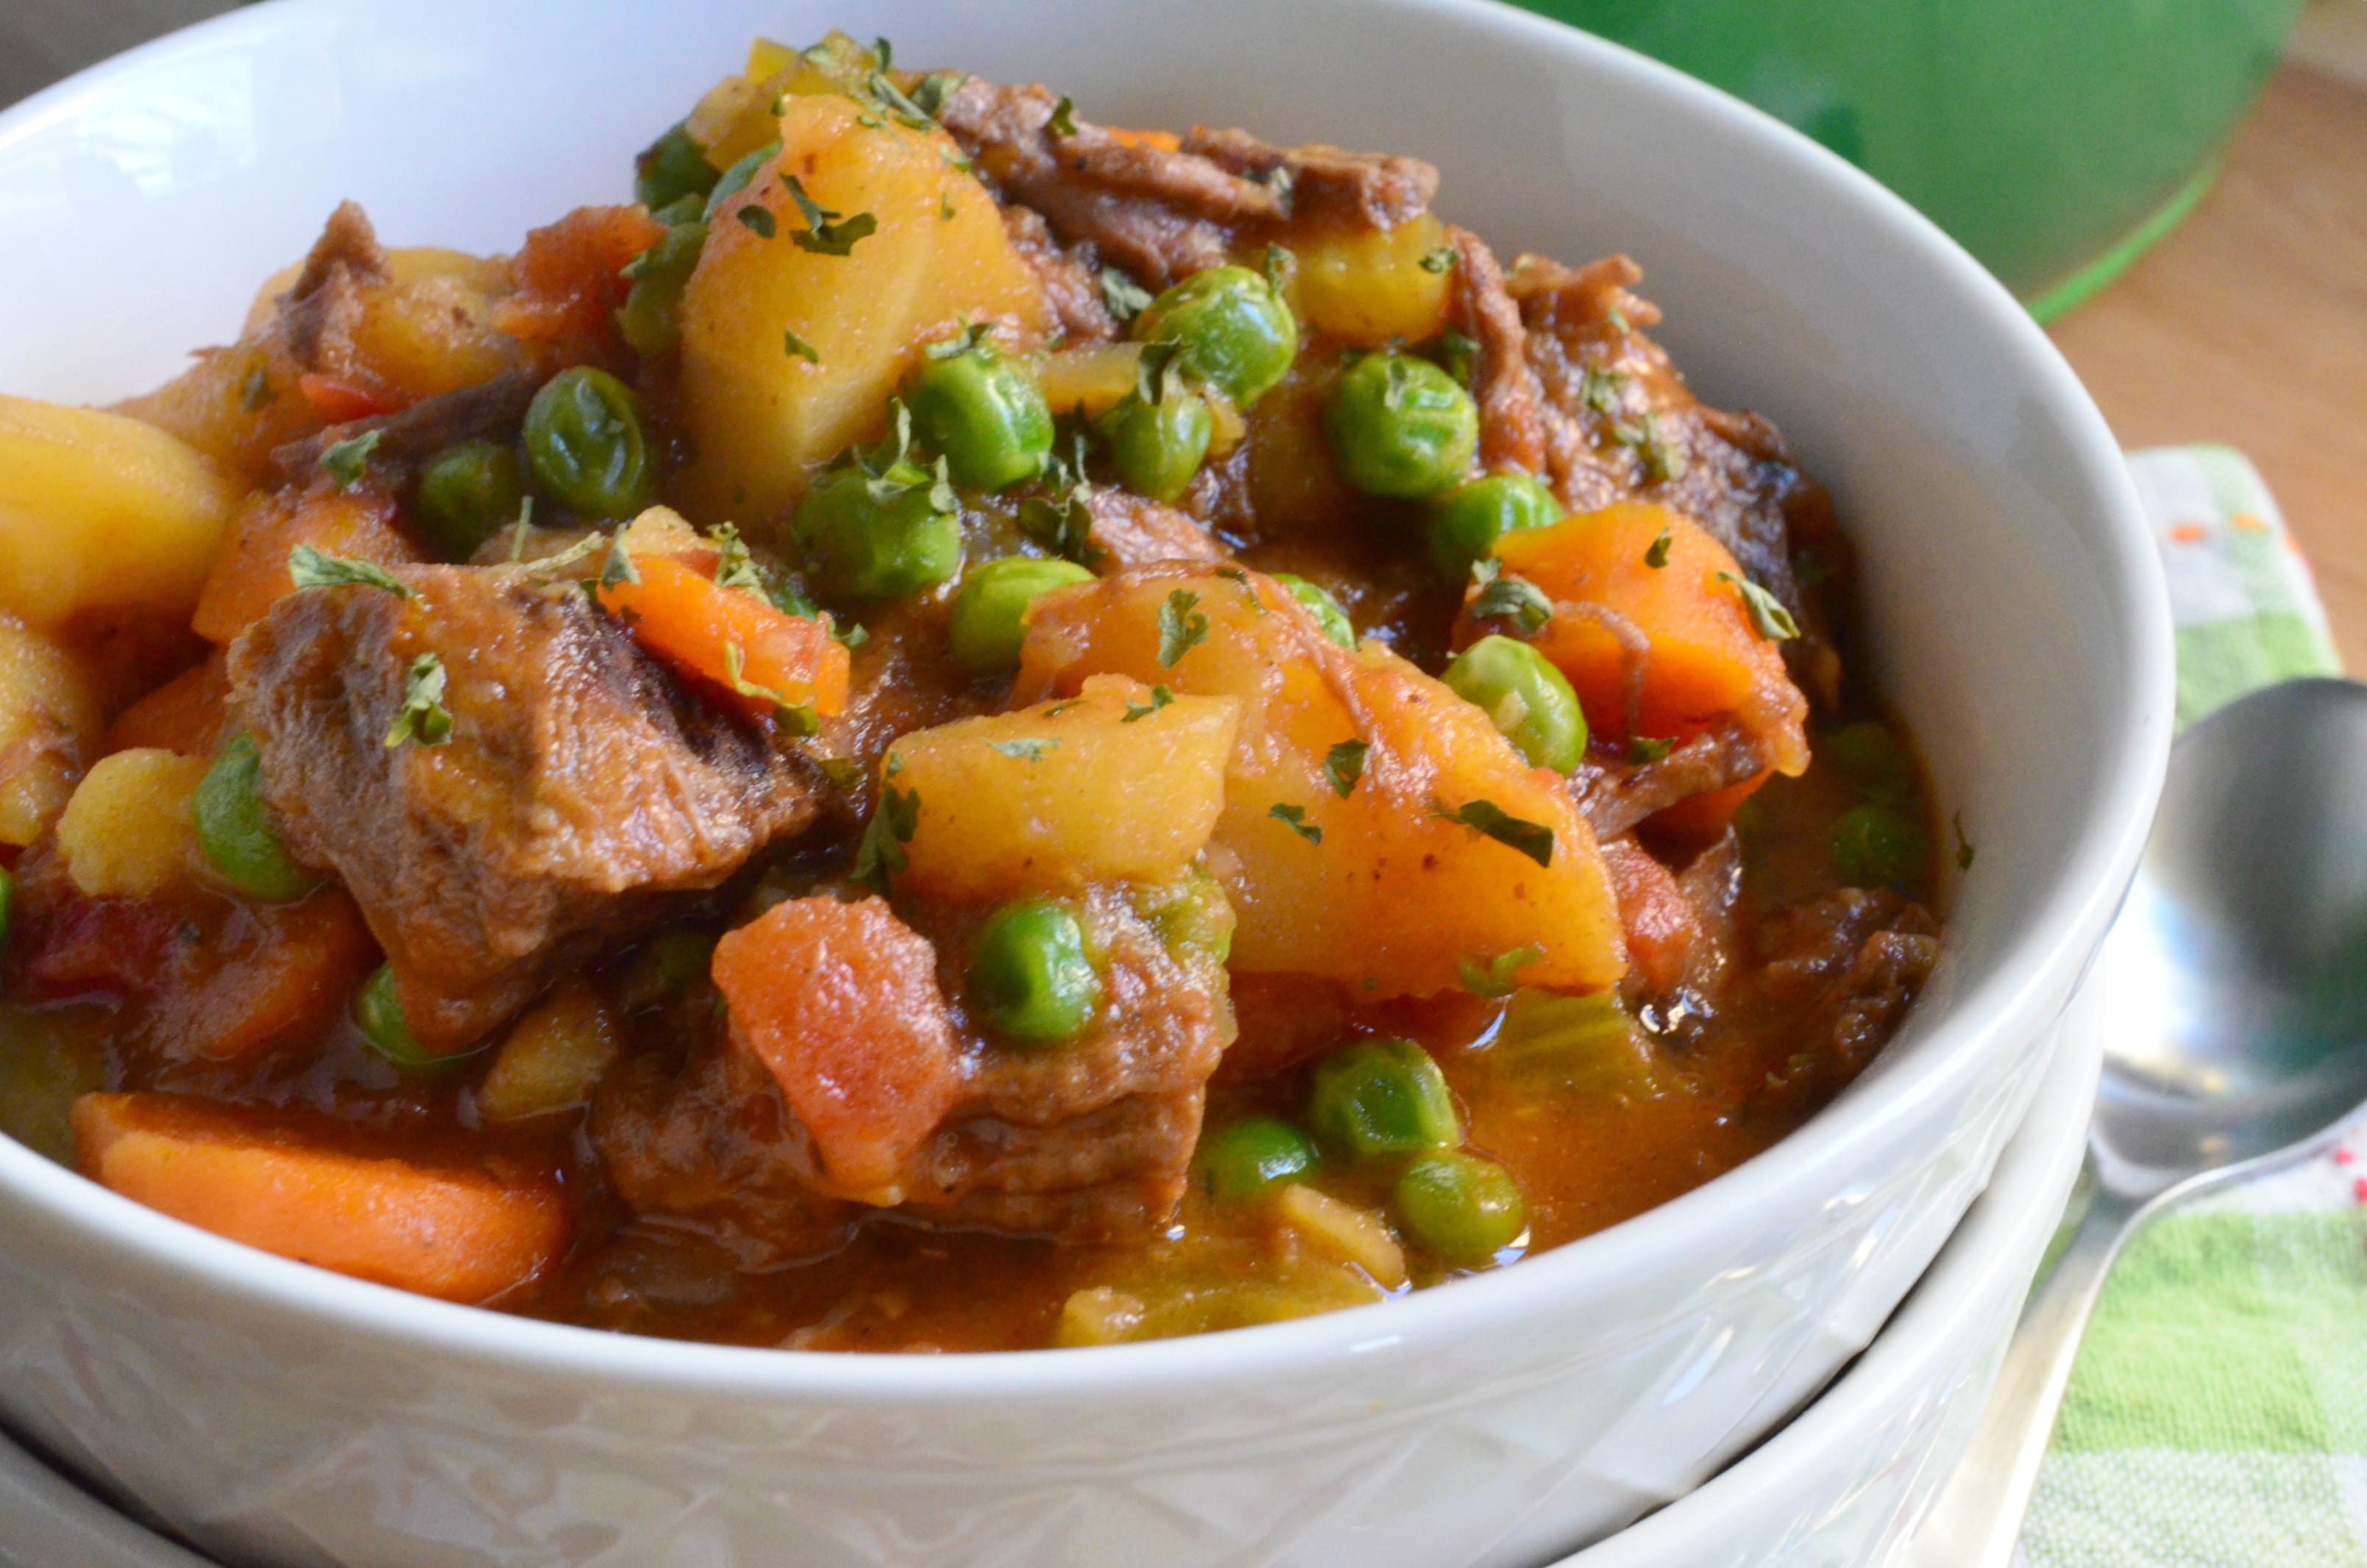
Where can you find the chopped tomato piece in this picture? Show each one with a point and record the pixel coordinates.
(339, 401)
(570, 273)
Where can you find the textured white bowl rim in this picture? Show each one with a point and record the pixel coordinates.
(2090, 884)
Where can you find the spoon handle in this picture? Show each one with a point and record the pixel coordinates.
(1978, 1517)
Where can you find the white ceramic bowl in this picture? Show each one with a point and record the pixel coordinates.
(282, 1415)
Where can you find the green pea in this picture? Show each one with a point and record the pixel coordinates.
(668, 964)
(1157, 447)
(861, 546)
(1236, 336)
(737, 177)
(1253, 1159)
(584, 442)
(1461, 1207)
(649, 318)
(986, 625)
(1030, 980)
(1382, 1096)
(235, 829)
(1400, 427)
(1870, 757)
(467, 494)
(669, 168)
(986, 415)
(1880, 846)
(1529, 700)
(378, 1013)
(1322, 606)
(1465, 524)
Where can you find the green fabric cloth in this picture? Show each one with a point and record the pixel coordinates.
(2217, 1416)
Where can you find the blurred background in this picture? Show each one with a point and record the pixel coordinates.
(2179, 186)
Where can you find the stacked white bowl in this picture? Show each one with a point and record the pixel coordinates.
(278, 1416)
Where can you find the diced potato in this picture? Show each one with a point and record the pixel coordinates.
(1098, 1315)
(431, 335)
(250, 575)
(1343, 1231)
(98, 511)
(760, 417)
(1376, 887)
(1090, 379)
(1368, 285)
(554, 1057)
(1065, 793)
(126, 832)
(50, 719)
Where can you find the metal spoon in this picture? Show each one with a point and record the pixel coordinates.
(2238, 977)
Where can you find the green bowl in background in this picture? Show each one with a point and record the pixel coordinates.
(2055, 138)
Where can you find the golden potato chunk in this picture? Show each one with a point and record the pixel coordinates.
(126, 833)
(761, 414)
(98, 511)
(1119, 783)
(1368, 285)
(1377, 828)
(50, 719)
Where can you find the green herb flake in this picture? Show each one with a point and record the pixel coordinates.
(1160, 698)
(619, 568)
(1235, 575)
(1663, 460)
(1294, 818)
(798, 719)
(1489, 820)
(1281, 267)
(929, 95)
(1283, 183)
(422, 718)
(1646, 749)
(1618, 320)
(1182, 627)
(827, 232)
(966, 341)
(1125, 297)
(946, 207)
(1458, 356)
(1064, 118)
(256, 393)
(734, 567)
(757, 220)
(1657, 557)
(346, 459)
(1964, 846)
(799, 348)
(881, 853)
(1061, 526)
(1768, 616)
(907, 113)
(845, 775)
(1024, 750)
(1504, 596)
(1344, 764)
(1439, 260)
(1603, 391)
(1493, 979)
(310, 568)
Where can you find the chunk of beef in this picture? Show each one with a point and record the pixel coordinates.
(1071, 285)
(321, 308)
(1842, 969)
(490, 409)
(1088, 1140)
(1615, 795)
(1131, 532)
(1511, 418)
(1325, 183)
(581, 797)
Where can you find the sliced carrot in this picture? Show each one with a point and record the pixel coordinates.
(841, 1002)
(267, 975)
(1708, 664)
(453, 1233)
(1163, 141)
(250, 575)
(184, 714)
(732, 638)
(568, 273)
(339, 401)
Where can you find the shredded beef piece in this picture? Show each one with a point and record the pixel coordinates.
(581, 796)
(409, 439)
(1614, 796)
(1131, 532)
(1845, 968)
(1071, 285)
(1325, 182)
(322, 308)
(1511, 423)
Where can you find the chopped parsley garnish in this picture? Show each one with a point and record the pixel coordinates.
(1024, 750)
(1603, 391)
(1125, 297)
(1439, 260)
(619, 568)
(1532, 839)
(1060, 526)
(1182, 627)
(1768, 616)
(1618, 320)
(422, 718)
(908, 114)
(1064, 118)
(796, 717)
(1294, 818)
(734, 567)
(310, 568)
(826, 232)
(1159, 373)
(971, 334)
(1512, 598)
(1494, 978)
(346, 459)
(1281, 267)
(885, 53)
(1644, 749)
(1280, 181)
(1458, 356)
(1160, 698)
(1964, 846)
(1235, 575)
(1657, 555)
(1663, 459)
(881, 853)
(757, 220)
(845, 775)
(929, 95)
(946, 207)
(799, 348)
(1344, 764)
(255, 391)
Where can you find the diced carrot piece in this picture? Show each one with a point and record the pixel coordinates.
(250, 575)
(1661, 926)
(184, 714)
(1700, 818)
(568, 273)
(453, 1233)
(338, 402)
(841, 1002)
(686, 618)
(1163, 141)
(1708, 663)
(268, 975)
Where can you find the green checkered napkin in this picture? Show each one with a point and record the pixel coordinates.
(2217, 1417)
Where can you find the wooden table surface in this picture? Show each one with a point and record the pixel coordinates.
(2248, 326)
